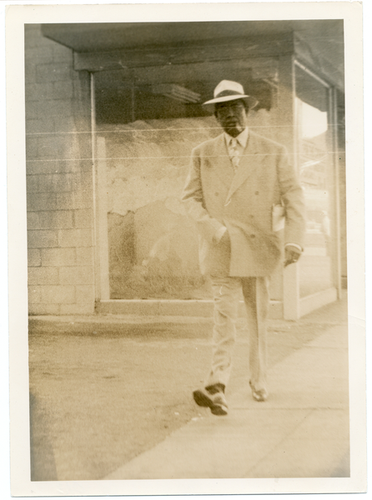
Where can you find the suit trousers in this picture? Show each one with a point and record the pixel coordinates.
(226, 295)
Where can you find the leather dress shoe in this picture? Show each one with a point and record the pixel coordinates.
(260, 395)
(216, 402)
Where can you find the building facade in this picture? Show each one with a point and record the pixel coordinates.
(112, 113)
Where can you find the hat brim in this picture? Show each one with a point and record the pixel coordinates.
(251, 101)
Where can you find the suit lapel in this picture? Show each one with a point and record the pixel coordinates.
(249, 163)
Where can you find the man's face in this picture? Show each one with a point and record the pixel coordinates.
(232, 116)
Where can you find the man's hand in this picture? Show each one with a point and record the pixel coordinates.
(292, 254)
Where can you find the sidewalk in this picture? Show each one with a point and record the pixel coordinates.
(301, 431)
(112, 400)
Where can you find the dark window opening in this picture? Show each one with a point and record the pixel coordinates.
(127, 102)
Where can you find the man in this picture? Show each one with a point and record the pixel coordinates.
(234, 182)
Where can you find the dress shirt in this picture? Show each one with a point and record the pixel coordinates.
(241, 140)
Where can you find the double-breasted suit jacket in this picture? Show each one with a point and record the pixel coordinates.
(243, 202)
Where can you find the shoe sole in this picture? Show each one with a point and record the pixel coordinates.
(203, 400)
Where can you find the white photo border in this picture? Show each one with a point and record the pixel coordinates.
(16, 17)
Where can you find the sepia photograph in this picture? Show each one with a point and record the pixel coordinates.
(189, 280)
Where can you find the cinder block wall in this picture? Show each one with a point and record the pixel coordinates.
(59, 179)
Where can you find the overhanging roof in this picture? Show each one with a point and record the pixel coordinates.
(322, 39)
(114, 36)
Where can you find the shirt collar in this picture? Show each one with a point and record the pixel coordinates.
(242, 138)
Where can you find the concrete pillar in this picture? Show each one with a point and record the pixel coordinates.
(286, 115)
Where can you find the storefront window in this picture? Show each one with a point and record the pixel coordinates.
(314, 155)
(149, 122)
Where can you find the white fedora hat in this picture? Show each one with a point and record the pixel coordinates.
(230, 91)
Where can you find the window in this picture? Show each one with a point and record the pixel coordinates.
(315, 160)
(149, 121)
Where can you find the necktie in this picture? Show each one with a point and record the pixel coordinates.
(234, 153)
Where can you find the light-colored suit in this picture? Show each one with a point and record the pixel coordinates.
(242, 202)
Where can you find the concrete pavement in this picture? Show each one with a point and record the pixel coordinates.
(301, 431)
(109, 392)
